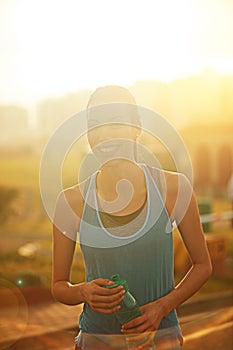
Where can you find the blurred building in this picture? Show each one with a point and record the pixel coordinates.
(201, 109)
(153, 95)
(54, 111)
(205, 97)
(14, 124)
(199, 98)
(211, 152)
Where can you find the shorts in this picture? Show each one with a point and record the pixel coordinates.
(165, 339)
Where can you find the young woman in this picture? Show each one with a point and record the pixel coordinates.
(124, 214)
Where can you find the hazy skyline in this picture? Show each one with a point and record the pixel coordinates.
(51, 48)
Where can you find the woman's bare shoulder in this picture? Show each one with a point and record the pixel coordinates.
(169, 179)
(173, 179)
(173, 183)
(75, 195)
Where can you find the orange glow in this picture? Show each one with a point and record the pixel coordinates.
(52, 48)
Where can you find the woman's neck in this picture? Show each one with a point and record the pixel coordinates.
(118, 169)
(120, 186)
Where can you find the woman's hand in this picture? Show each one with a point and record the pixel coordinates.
(102, 299)
(142, 329)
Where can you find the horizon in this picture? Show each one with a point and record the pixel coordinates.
(185, 101)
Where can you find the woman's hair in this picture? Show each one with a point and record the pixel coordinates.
(121, 100)
(110, 94)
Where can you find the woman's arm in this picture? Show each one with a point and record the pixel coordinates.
(192, 234)
(184, 209)
(65, 226)
(62, 289)
(66, 223)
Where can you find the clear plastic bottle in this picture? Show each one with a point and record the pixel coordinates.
(129, 308)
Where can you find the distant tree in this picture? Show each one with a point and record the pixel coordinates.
(7, 196)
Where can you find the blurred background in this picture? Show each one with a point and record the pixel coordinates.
(177, 59)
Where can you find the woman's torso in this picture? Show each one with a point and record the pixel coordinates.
(143, 256)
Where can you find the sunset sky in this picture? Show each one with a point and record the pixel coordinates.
(53, 47)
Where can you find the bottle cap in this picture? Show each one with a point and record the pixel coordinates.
(119, 282)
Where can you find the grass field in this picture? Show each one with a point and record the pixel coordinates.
(30, 223)
(20, 171)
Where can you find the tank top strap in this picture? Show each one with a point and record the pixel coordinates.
(97, 235)
(158, 207)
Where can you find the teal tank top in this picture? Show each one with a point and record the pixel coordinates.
(144, 259)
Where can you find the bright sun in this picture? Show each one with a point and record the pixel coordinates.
(54, 47)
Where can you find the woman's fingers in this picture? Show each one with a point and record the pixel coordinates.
(140, 328)
(102, 299)
(107, 304)
(148, 341)
(142, 340)
(107, 291)
(132, 326)
(103, 282)
(105, 310)
(111, 298)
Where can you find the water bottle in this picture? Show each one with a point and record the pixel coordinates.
(129, 308)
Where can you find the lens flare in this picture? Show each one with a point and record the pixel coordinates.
(14, 313)
(102, 138)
